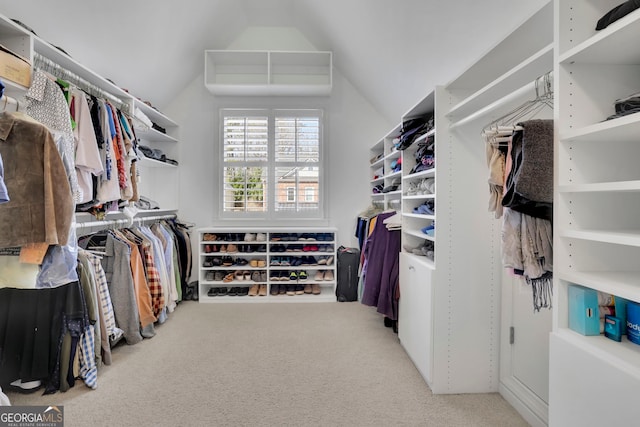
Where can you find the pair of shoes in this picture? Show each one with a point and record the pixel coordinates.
(326, 260)
(256, 262)
(209, 237)
(214, 292)
(324, 275)
(211, 248)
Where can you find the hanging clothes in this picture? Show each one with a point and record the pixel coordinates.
(33, 323)
(87, 154)
(381, 271)
(47, 104)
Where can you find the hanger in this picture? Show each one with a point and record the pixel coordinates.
(499, 131)
(9, 104)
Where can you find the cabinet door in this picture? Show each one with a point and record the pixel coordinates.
(415, 313)
(530, 349)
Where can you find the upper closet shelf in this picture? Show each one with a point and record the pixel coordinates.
(621, 129)
(616, 44)
(274, 73)
(528, 70)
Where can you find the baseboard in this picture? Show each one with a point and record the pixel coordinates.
(533, 409)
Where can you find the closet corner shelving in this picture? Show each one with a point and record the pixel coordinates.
(251, 73)
(597, 198)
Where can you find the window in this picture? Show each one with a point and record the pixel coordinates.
(309, 194)
(272, 162)
(291, 194)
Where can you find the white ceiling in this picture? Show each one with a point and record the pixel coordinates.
(392, 51)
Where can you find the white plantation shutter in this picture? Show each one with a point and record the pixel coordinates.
(271, 163)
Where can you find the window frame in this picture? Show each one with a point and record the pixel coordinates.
(271, 214)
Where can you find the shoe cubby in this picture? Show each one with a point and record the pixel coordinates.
(267, 265)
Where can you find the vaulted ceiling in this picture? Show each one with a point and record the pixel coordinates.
(392, 51)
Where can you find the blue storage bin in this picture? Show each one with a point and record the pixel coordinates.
(584, 316)
(633, 322)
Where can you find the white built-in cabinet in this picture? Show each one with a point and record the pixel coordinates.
(269, 73)
(594, 380)
(157, 180)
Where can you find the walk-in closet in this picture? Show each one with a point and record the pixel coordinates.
(304, 212)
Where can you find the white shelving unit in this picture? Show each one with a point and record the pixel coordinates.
(251, 73)
(262, 259)
(597, 198)
(382, 173)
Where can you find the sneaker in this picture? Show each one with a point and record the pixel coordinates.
(293, 276)
(328, 275)
(315, 289)
(302, 275)
(307, 288)
(275, 289)
(319, 276)
(291, 290)
(249, 237)
(261, 237)
(329, 260)
(299, 289)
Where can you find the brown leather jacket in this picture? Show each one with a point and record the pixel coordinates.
(41, 208)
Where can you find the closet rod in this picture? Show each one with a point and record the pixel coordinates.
(45, 64)
(118, 223)
(516, 94)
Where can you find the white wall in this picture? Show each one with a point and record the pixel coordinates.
(352, 126)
